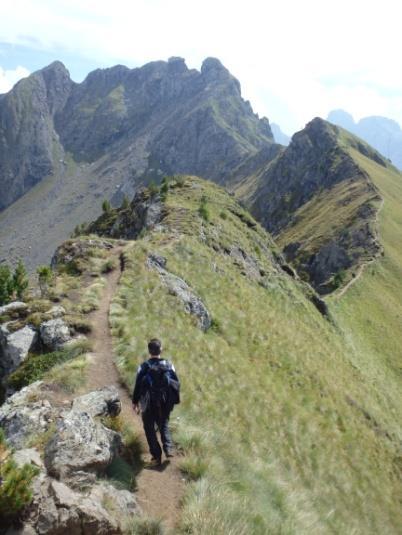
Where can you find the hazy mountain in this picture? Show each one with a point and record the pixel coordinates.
(65, 146)
(279, 136)
(383, 134)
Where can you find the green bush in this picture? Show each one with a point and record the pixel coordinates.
(20, 279)
(35, 366)
(15, 484)
(109, 265)
(203, 209)
(146, 526)
(6, 285)
(45, 276)
(106, 206)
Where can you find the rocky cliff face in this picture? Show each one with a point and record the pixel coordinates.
(319, 203)
(65, 146)
(28, 141)
(160, 118)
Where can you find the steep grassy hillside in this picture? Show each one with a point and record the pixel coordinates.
(370, 313)
(288, 425)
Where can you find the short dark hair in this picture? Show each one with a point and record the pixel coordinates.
(154, 347)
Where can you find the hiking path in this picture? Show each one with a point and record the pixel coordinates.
(159, 490)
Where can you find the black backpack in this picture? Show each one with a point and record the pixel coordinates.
(160, 390)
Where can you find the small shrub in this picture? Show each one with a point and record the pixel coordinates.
(20, 279)
(35, 366)
(15, 487)
(106, 206)
(203, 209)
(45, 277)
(109, 265)
(6, 285)
(145, 526)
(216, 325)
(78, 324)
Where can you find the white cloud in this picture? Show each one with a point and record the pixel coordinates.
(284, 53)
(10, 77)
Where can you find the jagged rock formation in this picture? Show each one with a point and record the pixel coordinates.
(179, 288)
(67, 495)
(118, 129)
(382, 133)
(318, 202)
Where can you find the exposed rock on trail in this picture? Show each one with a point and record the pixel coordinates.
(14, 347)
(67, 496)
(179, 288)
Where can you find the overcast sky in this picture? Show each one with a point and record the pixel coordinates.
(294, 59)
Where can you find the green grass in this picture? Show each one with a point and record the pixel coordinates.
(35, 367)
(295, 436)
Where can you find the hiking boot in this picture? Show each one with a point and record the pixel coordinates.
(155, 461)
(169, 453)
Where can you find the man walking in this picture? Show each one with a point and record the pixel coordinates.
(156, 391)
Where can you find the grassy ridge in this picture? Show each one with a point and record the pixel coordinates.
(276, 419)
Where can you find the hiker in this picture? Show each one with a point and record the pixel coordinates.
(156, 391)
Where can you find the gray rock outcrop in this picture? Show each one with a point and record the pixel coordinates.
(54, 333)
(58, 509)
(67, 496)
(179, 288)
(26, 413)
(102, 402)
(14, 347)
(15, 306)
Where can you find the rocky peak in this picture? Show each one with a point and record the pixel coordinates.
(212, 71)
(58, 85)
(177, 65)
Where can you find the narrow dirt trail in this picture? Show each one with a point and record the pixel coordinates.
(159, 491)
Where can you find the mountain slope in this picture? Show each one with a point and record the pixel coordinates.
(289, 423)
(320, 204)
(282, 431)
(382, 133)
(65, 146)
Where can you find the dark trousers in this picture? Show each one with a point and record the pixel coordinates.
(153, 421)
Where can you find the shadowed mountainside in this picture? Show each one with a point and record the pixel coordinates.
(318, 201)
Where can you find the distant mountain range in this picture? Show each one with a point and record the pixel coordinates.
(383, 134)
(66, 146)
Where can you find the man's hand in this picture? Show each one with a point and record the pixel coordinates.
(136, 408)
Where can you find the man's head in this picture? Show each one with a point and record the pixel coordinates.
(155, 347)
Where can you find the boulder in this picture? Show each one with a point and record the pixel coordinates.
(80, 443)
(56, 311)
(54, 333)
(102, 402)
(28, 456)
(58, 510)
(16, 306)
(26, 413)
(14, 347)
(179, 288)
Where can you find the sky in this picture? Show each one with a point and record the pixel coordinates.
(295, 59)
